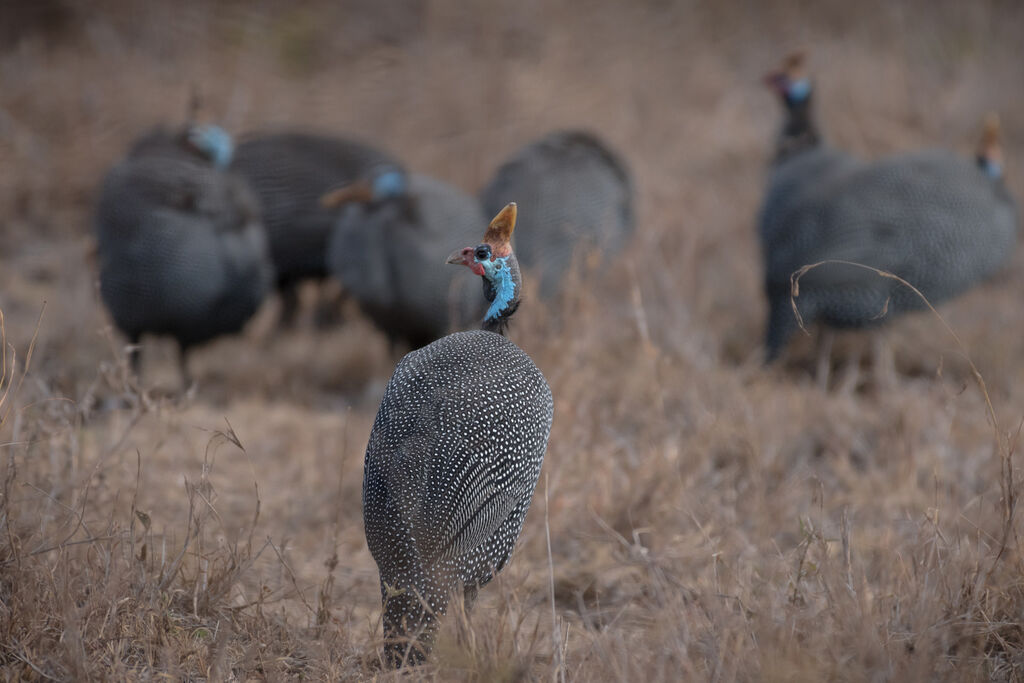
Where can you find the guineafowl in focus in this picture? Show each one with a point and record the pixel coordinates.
(289, 172)
(181, 250)
(385, 255)
(453, 458)
(939, 221)
(576, 194)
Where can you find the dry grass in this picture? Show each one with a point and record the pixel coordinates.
(699, 517)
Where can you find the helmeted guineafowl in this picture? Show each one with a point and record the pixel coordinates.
(803, 160)
(206, 144)
(576, 194)
(385, 255)
(289, 172)
(933, 218)
(180, 246)
(453, 459)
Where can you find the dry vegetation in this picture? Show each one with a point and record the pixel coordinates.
(708, 518)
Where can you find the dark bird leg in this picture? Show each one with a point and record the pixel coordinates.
(782, 323)
(186, 377)
(330, 300)
(135, 356)
(409, 627)
(469, 593)
(395, 345)
(850, 377)
(289, 304)
(883, 361)
(823, 371)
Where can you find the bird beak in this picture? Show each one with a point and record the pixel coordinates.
(464, 257)
(359, 191)
(457, 258)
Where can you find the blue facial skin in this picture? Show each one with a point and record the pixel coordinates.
(993, 169)
(499, 275)
(388, 185)
(214, 142)
(797, 91)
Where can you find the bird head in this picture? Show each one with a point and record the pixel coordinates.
(799, 130)
(790, 81)
(377, 186)
(990, 147)
(494, 261)
(212, 142)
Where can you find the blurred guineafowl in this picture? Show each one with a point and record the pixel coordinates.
(385, 255)
(576, 193)
(803, 161)
(289, 172)
(453, 458)
(180, 246)
(939, 221)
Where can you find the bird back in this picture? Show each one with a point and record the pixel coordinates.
(451, 465)
(390, 258)
(575, 194)
(290, 172)
(181, 249)
(932, 218)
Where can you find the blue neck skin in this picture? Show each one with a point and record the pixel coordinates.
(798, 90)
(993, 169)
(499, 275)
(214, 142)
(388, 184)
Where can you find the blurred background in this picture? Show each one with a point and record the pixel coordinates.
(679, 470)
(452, 90)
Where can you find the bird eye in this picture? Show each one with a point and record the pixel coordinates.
(483, 252)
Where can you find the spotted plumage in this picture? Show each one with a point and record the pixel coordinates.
(290, 173)
(933, 218)
(180, 245)
(576, 194)
(451, 465)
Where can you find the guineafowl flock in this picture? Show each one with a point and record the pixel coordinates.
(194, 233)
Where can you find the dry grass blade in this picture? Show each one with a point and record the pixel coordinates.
(1004, 443)
(7, 399)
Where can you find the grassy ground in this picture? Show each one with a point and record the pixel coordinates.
(708, 518)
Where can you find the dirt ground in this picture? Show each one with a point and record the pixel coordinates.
(698, 517)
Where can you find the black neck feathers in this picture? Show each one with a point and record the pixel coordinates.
(799, 133)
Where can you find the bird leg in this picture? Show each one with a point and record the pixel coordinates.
(409, 626)
(851, 373)
(135, 357)
(883, 362)
(826, 338)
(289, 305)
(186, 377)
(330, 300)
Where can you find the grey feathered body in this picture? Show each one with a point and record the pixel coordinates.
(290, 172)
(574, 194)
(792, 182)
(390, 257)
(932, 218)
(181, 249)
(451, 465)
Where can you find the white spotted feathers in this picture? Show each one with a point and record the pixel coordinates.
(451, 466)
